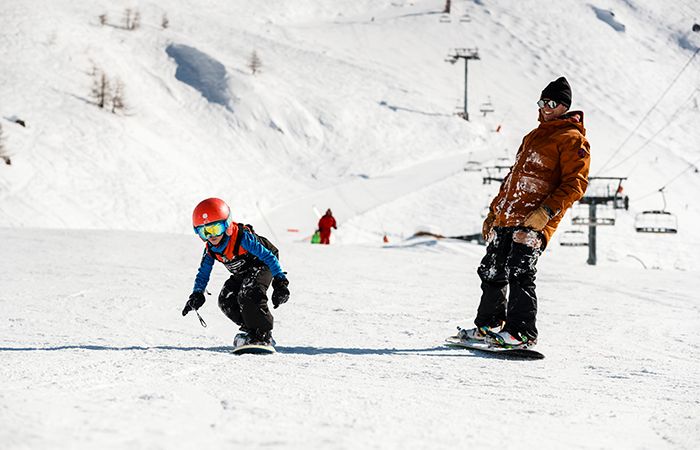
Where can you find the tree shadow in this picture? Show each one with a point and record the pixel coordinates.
(395, 108)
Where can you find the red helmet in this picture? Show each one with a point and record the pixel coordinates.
(212, 210)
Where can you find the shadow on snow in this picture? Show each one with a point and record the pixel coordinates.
(309, 351)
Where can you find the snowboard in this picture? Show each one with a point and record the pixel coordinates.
(254, 349)
(523, 353)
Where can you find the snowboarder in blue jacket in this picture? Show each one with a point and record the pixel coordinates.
(252, 261)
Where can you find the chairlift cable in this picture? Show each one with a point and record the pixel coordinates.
(651, 138)
(648, 113)
(690, 166)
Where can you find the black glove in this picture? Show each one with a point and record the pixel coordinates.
(195, 302)
(280, 292)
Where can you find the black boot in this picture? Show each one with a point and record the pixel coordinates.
(260, 337)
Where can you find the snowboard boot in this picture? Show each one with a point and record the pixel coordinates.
(477, 333)
(241, 339)
(258, 337)
(505, 339)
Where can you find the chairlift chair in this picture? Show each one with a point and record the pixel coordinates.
(495, 173)
(656, 221)
(486, 107)
(445, 18)
(488, 180)
(465, 18)
(573, 238)
(472, 166)
(605, 216)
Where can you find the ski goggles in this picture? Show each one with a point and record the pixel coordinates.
(551, 104)
(210, 230)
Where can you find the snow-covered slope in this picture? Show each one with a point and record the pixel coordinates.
(347, 89)
(353, 110)
(95, 353)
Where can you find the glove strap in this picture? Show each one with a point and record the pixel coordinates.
(201, 321)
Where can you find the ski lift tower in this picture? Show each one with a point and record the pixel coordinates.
(602, 191)
(466, 54)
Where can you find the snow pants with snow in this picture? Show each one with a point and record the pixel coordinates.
(509, 268)
(243, 298)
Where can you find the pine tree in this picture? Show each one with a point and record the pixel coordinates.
(118, 97)
(255, 63)
(100, 87)
(136, 21)
(127, 19)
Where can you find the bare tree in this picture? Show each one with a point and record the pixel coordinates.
(254, 63)
(100, 87)
(136, 20)
(103, 19)
(127, 18)
(118, 97)
(3, 151)
(165, 22)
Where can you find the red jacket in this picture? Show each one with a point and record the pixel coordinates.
(326, 223)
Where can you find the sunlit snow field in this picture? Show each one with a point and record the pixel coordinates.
(352, 109)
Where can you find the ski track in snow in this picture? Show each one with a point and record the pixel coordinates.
(96, 353)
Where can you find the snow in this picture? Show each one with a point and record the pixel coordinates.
(352, 110)
(96, 353)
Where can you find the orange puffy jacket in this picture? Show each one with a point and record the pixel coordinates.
(551, 169)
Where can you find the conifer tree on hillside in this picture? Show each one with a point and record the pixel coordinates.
(132, 19)
(254, 63)
(136, 20)
(127, 18)
(118, 97)
(100, 87)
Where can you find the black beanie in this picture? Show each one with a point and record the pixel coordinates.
(559, 91)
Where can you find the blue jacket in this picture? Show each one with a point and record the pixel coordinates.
(250, 243)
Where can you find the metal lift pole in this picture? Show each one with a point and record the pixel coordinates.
(466, 77)
(592, 257)
(466, 54)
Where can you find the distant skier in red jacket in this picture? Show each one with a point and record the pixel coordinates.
(324, 226)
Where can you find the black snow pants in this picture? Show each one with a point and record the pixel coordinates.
(510, 262)
(243, 298)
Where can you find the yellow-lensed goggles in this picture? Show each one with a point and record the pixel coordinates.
(209, 230)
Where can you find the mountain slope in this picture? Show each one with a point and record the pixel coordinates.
(346, 89)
